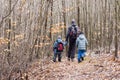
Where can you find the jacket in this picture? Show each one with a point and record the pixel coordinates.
(81, 42)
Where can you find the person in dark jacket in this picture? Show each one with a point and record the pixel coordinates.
(71, 38)
(81, 44)
(55, 49)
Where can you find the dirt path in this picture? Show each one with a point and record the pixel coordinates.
(94, 67)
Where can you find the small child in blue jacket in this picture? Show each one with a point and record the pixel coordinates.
(58, 49)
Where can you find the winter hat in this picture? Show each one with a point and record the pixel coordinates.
(73, 20)
(59, 37)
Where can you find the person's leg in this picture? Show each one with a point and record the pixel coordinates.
(69, 55)
(69, 52)
(79, 56)
(59, 56)
(83, 54)
(73, 52)
(55, 55)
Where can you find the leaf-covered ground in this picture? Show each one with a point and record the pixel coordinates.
(94, 67)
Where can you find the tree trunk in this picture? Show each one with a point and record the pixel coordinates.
(116, 30)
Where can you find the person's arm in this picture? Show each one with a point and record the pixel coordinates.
(77, 42)
(64, 43)
(86, 41)
(55, 45)
(68, 34)
(76, 31)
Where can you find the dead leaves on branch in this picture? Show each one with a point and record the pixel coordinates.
(42, 45)
(57, 29)
(4, 41)
(20, 36)
(44, 37)
(14, 39)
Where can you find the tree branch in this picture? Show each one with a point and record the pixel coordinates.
(8, 13)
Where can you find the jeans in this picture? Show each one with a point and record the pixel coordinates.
(57, 54)
(81, 54)
(71, 51)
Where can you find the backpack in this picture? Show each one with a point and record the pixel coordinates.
(60, 47)
(73, 32)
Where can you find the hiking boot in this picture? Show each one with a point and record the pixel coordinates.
(59, 60)
(54, 60)
(79, 61)
(82, 58)
(72, 60)
(68, 59)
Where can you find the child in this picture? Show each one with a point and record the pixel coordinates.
(58, 49)
(81, 43)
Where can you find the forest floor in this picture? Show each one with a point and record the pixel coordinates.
(94, 67)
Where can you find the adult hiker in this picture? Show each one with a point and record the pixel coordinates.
(71, 38)
(58, 49)
(81, 43)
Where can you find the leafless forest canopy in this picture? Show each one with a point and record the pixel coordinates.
(28, 28)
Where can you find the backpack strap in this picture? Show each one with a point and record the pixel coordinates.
(58, 42)
(75, 28)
